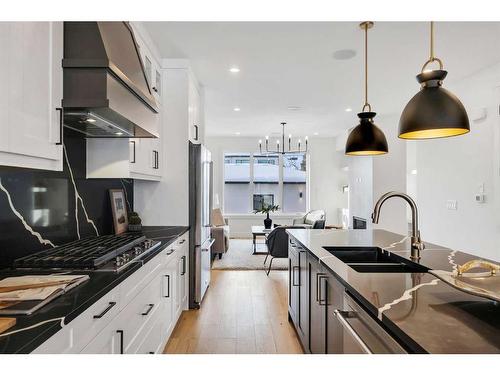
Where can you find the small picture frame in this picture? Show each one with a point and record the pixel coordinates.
(119, 210)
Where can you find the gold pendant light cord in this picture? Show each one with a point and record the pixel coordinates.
(366, 70)
(432, 58)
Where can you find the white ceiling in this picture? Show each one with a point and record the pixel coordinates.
(291, 64)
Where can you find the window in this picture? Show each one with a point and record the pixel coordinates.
(259, 200)
(253, 180)
(237, 186)
(294, 183)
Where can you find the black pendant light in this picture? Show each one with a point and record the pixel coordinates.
(366, 138)
(433, 112)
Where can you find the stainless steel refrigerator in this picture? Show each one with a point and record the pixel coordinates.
(200, 208)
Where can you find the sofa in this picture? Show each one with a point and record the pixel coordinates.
(312, 220)
(219, 232)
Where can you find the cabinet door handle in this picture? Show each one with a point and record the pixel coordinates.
(168, 286)
(60, 110)
(319, 275)
(155, 89)
(321, 301)
(133, 152)
(110, 306)
(293, 275)
(150, 307)
(181, 242)
(157, 160)
(120, 332)
(183, 265)
(195, 132)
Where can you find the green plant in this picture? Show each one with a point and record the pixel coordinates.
(266, 209)
(134, 219)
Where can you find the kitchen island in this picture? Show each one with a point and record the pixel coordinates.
(419, 312)
(55, 316)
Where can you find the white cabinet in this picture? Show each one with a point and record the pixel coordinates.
(138, 158)
(182, 281)
(137, 316)
(145, 158)
(151, 67)
(196, 128)
(31, 94)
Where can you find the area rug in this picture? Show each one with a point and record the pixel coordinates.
(239, 257)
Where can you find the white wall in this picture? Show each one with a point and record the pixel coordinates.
(389, 174)
(325, 183)
(455, 168)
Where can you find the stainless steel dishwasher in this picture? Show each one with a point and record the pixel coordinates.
(360, 333)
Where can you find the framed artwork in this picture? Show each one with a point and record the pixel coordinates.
(119, 210)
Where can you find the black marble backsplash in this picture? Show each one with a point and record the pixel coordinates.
(46, 202)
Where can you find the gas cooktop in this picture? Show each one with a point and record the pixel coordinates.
(111, 253)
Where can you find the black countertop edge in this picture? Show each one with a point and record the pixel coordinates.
(36, 336)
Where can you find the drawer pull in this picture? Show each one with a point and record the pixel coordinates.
(110, 306)
(150, 307)
(120, 332)
(340, 316)
(181, 242)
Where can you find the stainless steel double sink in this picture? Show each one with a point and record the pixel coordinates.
(374, 260)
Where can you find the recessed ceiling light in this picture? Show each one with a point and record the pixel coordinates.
(119, 133)
(236, 109)
(294, 108)
(91, 120)
(348, 109)
(316, 133)
(344, 54)
(237, 133)
(234, 69)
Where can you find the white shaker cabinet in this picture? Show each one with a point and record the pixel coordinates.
(31, 94)
(137, 158)
(194, 113)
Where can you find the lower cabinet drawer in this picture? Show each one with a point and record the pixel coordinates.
(137, 281)
(78, 333)
(139, 314)
(125, 333)
(152, 341)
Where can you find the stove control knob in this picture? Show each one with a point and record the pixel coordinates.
(119, 261)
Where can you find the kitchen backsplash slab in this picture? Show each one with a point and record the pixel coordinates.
(39, 209)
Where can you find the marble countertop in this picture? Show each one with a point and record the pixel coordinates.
(77, 300)
(425, 313)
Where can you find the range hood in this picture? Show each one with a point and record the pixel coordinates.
(106, 91)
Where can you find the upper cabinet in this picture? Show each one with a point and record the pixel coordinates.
(152, 69)
(194, 113)
(31, 94)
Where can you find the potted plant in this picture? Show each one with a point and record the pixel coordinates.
(265, 210)
(134, 222)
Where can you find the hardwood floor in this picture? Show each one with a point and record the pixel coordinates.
(243, 312)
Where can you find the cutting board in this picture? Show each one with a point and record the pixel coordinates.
(6, 323)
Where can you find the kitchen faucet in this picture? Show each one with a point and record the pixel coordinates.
(416, 243)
